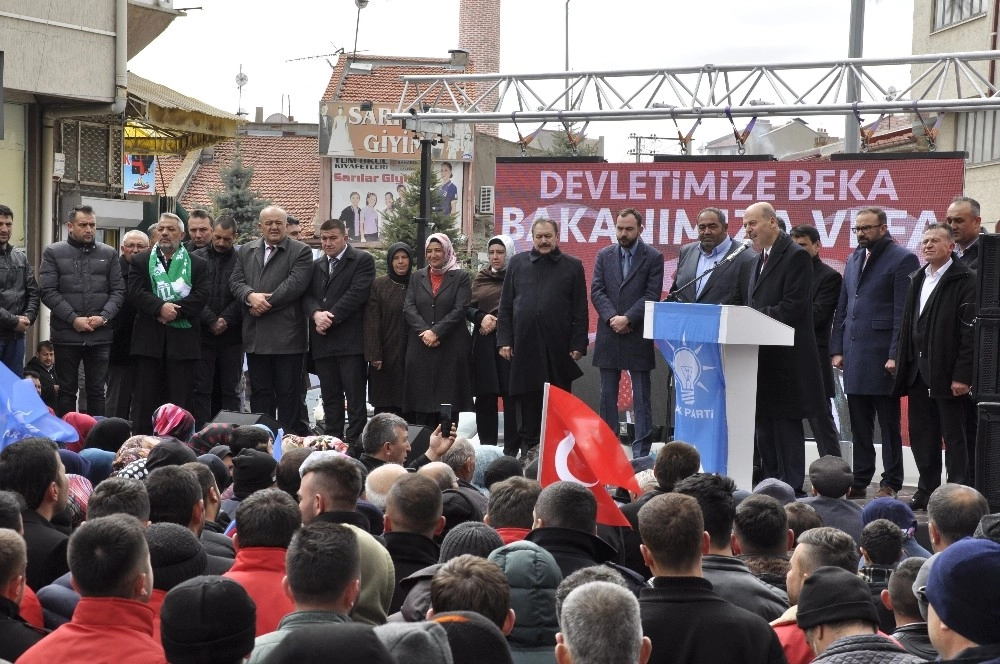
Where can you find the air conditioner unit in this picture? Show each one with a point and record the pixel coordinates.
(486, 197)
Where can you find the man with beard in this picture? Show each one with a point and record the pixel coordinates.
(866, 328)
(541, 331)
(221, 364)
(168, 288)
(626, 276)
(121, 372)
(722, 285)
(18, 296)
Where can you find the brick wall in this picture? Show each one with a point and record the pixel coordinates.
(479, 34)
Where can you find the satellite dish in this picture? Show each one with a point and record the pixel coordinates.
(241, 79)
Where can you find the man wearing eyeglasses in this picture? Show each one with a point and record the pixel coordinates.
(121, 366)
(934, 360)
(866, 329)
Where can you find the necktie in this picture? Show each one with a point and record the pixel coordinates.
(626, 263)
(332, 266)
(268, 252)
(868, 254)
(763, 262)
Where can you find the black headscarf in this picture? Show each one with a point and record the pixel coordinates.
(393, 248)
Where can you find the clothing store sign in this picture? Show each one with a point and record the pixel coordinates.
(345, 130)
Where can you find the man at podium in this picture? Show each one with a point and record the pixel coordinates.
(789, 383)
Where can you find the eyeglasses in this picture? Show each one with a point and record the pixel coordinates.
(865, 229)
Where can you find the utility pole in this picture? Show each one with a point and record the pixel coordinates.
(638, 151)
(428, 132)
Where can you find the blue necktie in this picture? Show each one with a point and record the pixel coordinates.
(626, 263)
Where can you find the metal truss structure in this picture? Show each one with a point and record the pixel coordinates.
(949, 83)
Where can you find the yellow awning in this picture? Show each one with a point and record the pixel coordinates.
(162, 121)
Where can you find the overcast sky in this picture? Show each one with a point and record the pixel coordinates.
(200, 55)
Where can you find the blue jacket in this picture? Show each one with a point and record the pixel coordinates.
(867, 321)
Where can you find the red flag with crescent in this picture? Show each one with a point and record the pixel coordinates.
(578, 446)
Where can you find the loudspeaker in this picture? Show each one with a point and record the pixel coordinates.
(420, 440)
(988, 275)
(988, 454)
(986, 367)
(247, 419)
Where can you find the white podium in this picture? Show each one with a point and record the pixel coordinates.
(740, 332)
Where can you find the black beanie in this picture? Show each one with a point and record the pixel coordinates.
(474, 638)
(831, 476)
(176, 554)
(207, 619)
(832, 594)
(252, 471)
(473, 537)
(169, 452)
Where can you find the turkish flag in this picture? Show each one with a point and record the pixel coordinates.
(578, 446)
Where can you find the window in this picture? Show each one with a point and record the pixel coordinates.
(950, 12)
(978, 134)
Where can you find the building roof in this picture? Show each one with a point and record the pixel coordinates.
(166, 169)
(286, 172)
(383, 84)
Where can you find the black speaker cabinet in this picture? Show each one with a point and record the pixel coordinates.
(420, 440)
(988, 274)
(247, 419)
(988, 454)
(986, 370)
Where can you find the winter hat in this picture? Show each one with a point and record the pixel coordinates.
(169, 452)
(457, 508)
(473, 537)
(172, 420)
(207, 619)
(921, 581)
(376, 520)
(831, 476)
(221, 451)
(832, 594)
(222, 477)
(314, 644)
(176, 554)
(252, 471)
(962, 589)
(109, 434)
(416, 643)
(988, 528)
(213, 435)
(892, 509)
(474, 638)
(777, 489)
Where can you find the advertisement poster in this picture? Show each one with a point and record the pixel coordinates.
(138, 174)
(363, 190)
(347, 131)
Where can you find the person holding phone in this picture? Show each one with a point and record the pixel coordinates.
(437, 367)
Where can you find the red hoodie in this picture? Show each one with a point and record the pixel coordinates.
(509, 535)
(260, 569)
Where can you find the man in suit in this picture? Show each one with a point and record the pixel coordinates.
(168, 288)
(966, 224)
(351, 216)
(934, 361)
(271, 275)
(626, 276)
(722, 286)
(542, 331)
(789, 383)
(865, 331)
(121, 368)
(335, 301)
(826, 292)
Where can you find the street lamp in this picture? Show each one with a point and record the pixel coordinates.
(361, 4)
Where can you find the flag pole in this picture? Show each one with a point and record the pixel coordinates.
(541, 437)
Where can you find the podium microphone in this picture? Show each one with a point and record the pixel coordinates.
(746, 244)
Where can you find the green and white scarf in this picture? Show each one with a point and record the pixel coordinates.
(173, 284)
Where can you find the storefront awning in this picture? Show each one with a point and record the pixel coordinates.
(162, 121)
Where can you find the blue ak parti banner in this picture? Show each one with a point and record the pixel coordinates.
(700, 386)
(23, 414)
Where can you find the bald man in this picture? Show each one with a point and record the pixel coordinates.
(789, 382)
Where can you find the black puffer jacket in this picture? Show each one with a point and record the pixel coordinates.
(81, 279)
(18, 290)
(221, 303)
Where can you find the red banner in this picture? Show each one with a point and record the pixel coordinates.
(584, 198)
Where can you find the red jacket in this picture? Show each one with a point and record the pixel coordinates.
(104, 630)
(509, 535)
(260, 569)
(156, 603)
(31, 609)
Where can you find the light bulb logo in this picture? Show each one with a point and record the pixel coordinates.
(687, 369)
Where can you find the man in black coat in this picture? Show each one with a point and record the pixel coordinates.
(121, 369)
(789, 384)
(722, 285)
(16, 635)
(335, 303)
(221, 363)
(413, 517)
(542, 324)
(166, 339)
(685, 619)
(934, 360)
(825, 295)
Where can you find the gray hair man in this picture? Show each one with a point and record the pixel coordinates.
(600, 624)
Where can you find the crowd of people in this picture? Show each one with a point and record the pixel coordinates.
(160, 536)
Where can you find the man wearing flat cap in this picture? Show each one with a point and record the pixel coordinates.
(963, 616)
(838, 618)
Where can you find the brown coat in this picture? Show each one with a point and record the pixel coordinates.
(386, 334)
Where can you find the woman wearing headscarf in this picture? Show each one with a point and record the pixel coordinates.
(490, 372)
(386, 331)
(439, 347)
(172, 420)
(83, 423)
(108, 434)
